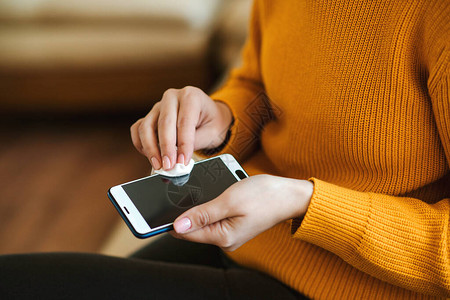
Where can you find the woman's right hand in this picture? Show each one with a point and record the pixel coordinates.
(183, 121)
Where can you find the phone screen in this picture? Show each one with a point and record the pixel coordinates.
(161, 200)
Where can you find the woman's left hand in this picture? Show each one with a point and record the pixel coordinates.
(244, 210)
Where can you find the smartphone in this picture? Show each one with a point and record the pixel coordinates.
(150, 205)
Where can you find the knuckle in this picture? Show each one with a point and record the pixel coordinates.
(169, 92)
(183, 144)
(142, 128)
(190, 93)
(144, 150)
(154, 109)
(225, 236)
(138, 147)
(167, 141)
(145, 143)
(167, 148)
(150, 153)
(184, 122)
(163, 144)
(202, 218)
(165, 121)
(226, 242)
(229, 249)
(147, 149)
(189, 89)
(135, 125)
(156, 105)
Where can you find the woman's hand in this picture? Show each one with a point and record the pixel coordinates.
(244, 210)
(183, 121)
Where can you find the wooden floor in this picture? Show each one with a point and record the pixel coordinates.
(54, 175)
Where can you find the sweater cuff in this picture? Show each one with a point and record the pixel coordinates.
(336, 219)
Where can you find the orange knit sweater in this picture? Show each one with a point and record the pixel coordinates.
(353, 95)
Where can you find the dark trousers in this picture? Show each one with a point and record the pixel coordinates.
(166, 269)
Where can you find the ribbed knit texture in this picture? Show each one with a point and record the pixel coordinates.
(359, 99)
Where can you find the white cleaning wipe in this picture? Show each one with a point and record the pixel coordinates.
(177, 170)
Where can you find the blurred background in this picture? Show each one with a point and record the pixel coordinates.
(74, 76)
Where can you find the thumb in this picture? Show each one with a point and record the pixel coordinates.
(202, 215)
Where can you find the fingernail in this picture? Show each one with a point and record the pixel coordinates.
(182, 225)
(166, 163)
(155, 163)
(181, 159)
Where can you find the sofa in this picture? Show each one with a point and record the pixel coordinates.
(116, 55)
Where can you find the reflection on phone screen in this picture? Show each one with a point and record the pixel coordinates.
(161, 200)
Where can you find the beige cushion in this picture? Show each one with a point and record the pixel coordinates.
(181, 13)
(27, 48)
(83, 54)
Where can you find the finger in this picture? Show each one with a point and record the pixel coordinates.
(221, 234)
(167, 129)
(188, 116)
(134, 131)
(203, 215)
(148, 137)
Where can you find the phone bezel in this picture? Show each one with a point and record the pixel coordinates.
(136, 221)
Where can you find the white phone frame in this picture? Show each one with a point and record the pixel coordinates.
(134, 217)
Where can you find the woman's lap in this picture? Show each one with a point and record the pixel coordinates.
(169, 249)
(159, 271)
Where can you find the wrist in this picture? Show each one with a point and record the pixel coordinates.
(222, 126)
(225, 116)
(303, 190)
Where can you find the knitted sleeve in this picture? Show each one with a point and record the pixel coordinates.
(244, 94)
(401, 240)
